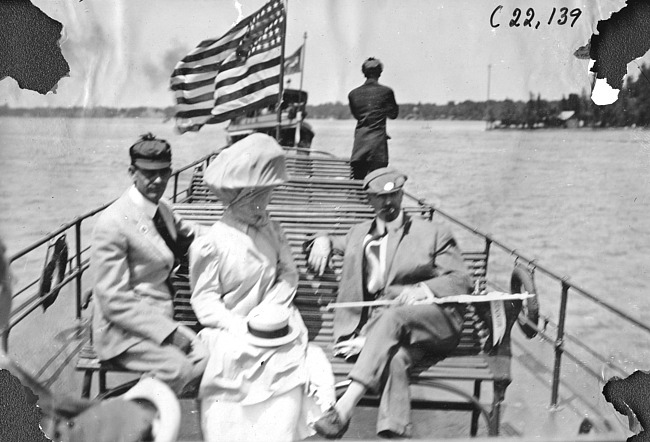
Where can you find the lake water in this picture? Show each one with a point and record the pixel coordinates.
(576, 200)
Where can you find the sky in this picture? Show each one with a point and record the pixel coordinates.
(122, 52)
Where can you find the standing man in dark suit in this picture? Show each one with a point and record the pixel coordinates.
(392, 257)
(136, 242)
(371, 103)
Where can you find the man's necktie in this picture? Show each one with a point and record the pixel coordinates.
(161, 226)
(375, 274)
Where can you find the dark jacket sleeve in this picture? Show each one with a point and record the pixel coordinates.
(392, 109)
(353, 107)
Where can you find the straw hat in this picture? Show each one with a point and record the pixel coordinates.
(255, 161)
(270, 326)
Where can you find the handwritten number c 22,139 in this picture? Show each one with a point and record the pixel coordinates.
(529, 21)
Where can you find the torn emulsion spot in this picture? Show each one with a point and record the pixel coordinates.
(602, 93)
(629, 397)
(19, 416)
(619, 40)
(30, 53)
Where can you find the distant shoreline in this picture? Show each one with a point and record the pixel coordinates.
(575, 111)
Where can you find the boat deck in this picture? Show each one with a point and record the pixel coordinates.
(320, 190)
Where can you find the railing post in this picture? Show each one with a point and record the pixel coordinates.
(4, 343)
(488, 243)
(559, 343)
(175, 187)
(77, 228)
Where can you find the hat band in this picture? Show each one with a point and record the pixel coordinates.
(284, 331)
(151, 163)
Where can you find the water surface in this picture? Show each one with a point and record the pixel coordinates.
(578, 200)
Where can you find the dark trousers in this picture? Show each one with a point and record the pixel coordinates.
(362, 168)
(396, 339)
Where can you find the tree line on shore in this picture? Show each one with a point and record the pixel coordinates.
(631, 109)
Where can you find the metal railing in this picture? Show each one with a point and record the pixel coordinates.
(77, 265)
(29, 293)
(566, 287)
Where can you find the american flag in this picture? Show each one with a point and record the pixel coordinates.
(228, 76)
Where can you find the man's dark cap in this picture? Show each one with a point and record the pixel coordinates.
(372, 66)
(151, 153)
(384, 181)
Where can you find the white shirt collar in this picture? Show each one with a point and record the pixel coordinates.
(143, 203)
(382, 226)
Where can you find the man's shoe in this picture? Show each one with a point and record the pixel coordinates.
(330, 425)
(388, 434)
(406, 433)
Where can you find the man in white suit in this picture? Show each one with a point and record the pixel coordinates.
(136, 242)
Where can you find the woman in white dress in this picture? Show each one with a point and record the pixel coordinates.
(243, 262)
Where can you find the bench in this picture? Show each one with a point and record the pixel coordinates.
(297, 191)
(475, 360)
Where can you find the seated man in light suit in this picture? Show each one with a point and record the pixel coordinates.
(393, 257)
(136, 242)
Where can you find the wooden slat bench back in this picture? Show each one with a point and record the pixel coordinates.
(300, 219)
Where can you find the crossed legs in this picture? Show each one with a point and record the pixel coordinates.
(395, 340)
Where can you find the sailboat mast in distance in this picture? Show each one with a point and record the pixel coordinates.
(487, 103)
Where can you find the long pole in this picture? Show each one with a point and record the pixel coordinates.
(302, 57)
(487, 103)
(296, 138)
(283, 34)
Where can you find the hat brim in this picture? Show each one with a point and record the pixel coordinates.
(152, 165)
(274, 342)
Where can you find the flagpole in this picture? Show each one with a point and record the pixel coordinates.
(296, 138)
(283, 32)
(302, 57)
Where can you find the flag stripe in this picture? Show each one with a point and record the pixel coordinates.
(209, 48)
(196, 100)
(225, 77)
(255, 103)
(249, 89)
(214, 55)
(194, 85)
(239, 73)
(209, 89)
(199, 69)
(198, 113)
(193, 113)
(234, 63)
(232, 106)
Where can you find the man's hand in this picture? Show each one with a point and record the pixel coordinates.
(199, 351)
(182, 337)
(412, 294)
(320, 253)
(349, 348)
